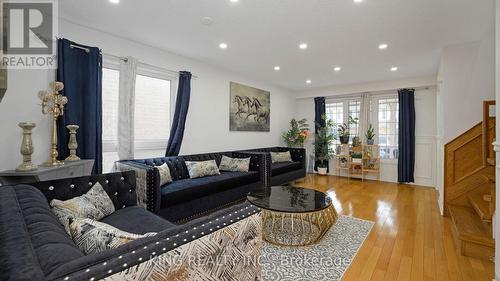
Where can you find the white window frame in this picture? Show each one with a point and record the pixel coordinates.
(112, 62)
(374, 99)
(345, 101)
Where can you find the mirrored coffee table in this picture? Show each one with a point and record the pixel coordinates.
(294, 216)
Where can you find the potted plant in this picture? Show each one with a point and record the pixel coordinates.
(323, 145)
(297, 134)
(343, 130)
(370, 135)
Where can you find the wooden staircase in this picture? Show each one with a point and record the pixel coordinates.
(469, 187)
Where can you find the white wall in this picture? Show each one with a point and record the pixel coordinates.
(207, 127)
(425, 131)
(466, 78)
(496, 217)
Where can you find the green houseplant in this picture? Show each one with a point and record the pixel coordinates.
(343, 130)
(370, 135)
(297, 134)
(323, 145)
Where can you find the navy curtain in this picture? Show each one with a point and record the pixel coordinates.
(406, 160)
(81, 73)
(180, 115)
(319, 112)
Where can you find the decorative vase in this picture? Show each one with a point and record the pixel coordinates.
(27, 148)
(322, 171)
(73, 144)
(370, 142)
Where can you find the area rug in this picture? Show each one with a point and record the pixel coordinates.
(327, 260)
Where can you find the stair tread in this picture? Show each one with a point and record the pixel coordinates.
(469, 226)
(481, 206)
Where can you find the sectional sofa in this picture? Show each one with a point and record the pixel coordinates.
(35, 246)
(190, 198)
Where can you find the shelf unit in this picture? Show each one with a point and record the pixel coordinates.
(357, 162)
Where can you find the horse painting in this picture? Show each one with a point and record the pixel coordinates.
(249, 108)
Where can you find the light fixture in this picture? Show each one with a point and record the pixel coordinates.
(358, 1)
(223, 46)
(394, 68)
(383, 46)
(303, 46)
(114, 1)
(337, 69)
(234, 1)
(308, 81)
(277, 68)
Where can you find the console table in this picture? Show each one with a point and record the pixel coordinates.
(68, 170)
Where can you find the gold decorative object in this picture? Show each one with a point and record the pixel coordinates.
(297, 229)
(73, 144)
(27, 148)
(53, 104)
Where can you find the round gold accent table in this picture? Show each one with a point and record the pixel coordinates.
(294, 216)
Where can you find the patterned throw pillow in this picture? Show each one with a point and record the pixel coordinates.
(165, 176)
(198, 169)
(92, 236)
(278, 157)
(95, 204)
(234, 164)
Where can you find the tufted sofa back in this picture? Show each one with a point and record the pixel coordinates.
(177, 165)
(120, 187)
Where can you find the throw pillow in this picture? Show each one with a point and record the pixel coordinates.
(91, 236)
(198, 169)
(234, 164)
(278, 157)
(165, 176)
(95, 204)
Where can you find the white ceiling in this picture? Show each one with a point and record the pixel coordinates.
(265, 33)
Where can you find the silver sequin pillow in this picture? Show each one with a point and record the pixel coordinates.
(234, 164)
(95, 204)
(165, 176)
(198, 169)
(278, 157)
(92, 237)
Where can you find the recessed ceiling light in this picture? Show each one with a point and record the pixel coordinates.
(358, 1)
(234, 1)
(303, 46)
(277, 68)
(383, 46)
(337, 69)
(394, 68)
(223, 46)
(114, 1)
(308, 81)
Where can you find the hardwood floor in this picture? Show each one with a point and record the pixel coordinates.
(410, 239)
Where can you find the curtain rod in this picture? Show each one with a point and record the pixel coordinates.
(149, 65)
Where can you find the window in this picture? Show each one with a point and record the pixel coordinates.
(388, 127)
(340, 110)
(152, 115)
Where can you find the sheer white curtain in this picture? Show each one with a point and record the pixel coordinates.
(364, 120)
(128, 71)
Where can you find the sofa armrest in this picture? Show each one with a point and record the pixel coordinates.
(148, 184)
(225, 246)
(258, 162)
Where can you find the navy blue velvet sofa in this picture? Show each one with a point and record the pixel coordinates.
(35, 246)
(286, 172)
(187, 198)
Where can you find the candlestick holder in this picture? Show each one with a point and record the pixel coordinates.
(73, 144)
(53, 104)
(27, 148)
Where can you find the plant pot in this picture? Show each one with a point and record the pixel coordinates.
(322, 171)
(344, 139)
(370, 142)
